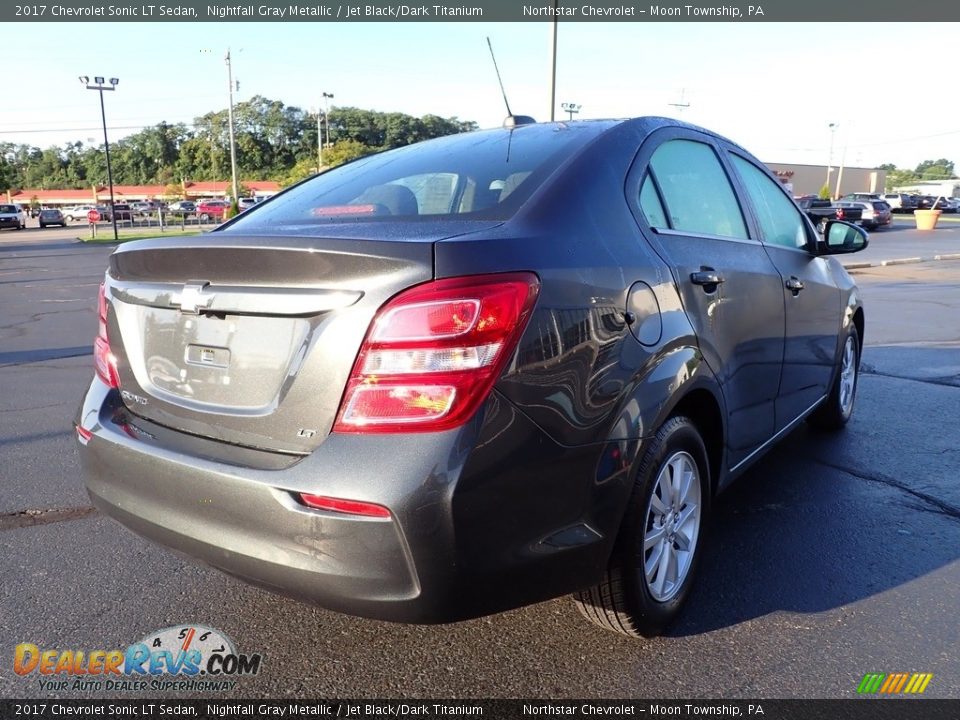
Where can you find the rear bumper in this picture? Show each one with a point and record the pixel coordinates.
(470, 531)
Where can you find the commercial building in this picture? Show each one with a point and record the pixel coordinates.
(809, 179)
(100, 195)
(937, 188)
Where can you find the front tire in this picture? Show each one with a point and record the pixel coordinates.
(657, 551)
(836, 410)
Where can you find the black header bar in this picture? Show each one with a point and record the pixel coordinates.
(853, 709)
(813, 11)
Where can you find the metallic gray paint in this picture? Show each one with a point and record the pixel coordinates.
(520, 504)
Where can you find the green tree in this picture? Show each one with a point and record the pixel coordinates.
(273, 140)
(345, 151)
(7, 174)
(301, 171)
(935, 169)
(898, 178)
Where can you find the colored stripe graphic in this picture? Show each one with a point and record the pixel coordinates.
(871, 683)
(903, 681)
(894, 683)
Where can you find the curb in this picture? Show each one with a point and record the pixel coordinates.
(900, 261)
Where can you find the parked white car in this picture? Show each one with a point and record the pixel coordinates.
(12, 216)
(77, 212)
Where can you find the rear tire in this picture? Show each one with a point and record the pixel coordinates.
(657, 551)
(837, 409)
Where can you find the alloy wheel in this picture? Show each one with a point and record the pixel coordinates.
(672, 526)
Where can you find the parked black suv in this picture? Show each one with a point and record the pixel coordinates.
(474, 373)
(122, 211)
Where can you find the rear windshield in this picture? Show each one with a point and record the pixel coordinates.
(8, 209)
(485, 174)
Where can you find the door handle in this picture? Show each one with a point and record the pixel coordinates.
(706, 276)
(794, 285)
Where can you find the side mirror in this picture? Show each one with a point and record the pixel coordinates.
(840, 238)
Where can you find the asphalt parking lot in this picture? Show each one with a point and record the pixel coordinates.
(833, 557)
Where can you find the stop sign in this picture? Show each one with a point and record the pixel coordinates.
(93, 216)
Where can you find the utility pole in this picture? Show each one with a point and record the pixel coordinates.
(99, 85)
(833, 131)
(233, 145)
(681, 105)
(327, 97)
(843, 160)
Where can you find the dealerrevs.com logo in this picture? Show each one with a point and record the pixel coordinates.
(182, 659)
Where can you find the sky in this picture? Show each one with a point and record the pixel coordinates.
(890, 89)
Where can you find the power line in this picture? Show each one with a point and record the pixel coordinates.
(87, 129)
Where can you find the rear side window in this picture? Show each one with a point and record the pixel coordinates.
(696, 191)
(780, 222)
(651, 206)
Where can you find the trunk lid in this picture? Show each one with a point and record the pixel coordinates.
(250, 339)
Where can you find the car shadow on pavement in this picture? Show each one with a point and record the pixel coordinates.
(825, 520)
(55, 245)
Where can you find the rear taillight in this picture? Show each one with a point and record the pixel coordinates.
(103, 360)
(839, 213)
(433, 353)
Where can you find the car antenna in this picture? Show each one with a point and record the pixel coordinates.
(510, 120)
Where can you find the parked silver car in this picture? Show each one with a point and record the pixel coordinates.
(874, 213)
(52, 216)
(77, 212)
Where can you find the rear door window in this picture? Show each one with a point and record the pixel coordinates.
(698, 196)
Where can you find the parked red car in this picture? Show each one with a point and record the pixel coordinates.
(212, 210)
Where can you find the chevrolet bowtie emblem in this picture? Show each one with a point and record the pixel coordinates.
(192, 297)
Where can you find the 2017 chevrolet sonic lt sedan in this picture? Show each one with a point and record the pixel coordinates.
(473, 373)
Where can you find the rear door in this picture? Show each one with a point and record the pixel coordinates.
(811, 297)
(728, 285)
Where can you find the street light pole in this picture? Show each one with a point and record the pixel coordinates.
(570, 108)
(319, 142)
(833, 132)
(233, 145)
(327, 97)
(553, 62)
(100, 87)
